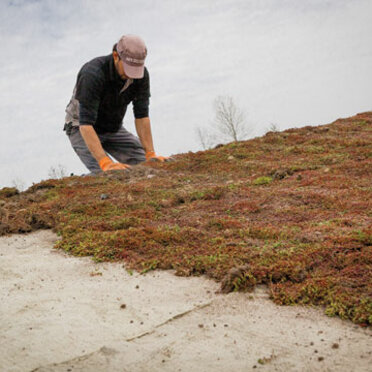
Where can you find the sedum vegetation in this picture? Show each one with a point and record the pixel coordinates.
(291, 209)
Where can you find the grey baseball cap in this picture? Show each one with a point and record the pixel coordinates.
(132, 52)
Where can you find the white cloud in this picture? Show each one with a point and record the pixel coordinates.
(289, 62)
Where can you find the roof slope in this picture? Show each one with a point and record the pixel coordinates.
(291, 209)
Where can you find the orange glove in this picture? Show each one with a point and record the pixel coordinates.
(151, 156)
(107, 164)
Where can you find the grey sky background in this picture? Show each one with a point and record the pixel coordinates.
(292, 63)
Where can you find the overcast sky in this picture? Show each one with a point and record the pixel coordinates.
(292, 63)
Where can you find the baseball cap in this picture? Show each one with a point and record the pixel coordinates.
(132, 52)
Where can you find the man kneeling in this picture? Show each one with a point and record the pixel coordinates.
(94, 116)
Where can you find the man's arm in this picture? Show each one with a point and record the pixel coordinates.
(143, 128)
(89, 87)
(92, 141)
(94, 145)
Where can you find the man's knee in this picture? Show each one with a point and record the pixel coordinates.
(137, 158)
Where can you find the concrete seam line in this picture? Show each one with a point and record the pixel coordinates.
(103, 350)
(177, 316)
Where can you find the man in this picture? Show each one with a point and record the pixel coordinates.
(94, 116)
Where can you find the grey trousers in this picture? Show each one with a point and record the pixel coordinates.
(122, 146)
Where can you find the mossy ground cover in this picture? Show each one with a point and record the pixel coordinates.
(291, 209)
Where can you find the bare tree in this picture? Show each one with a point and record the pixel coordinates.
(273, 128)
(57, 172)
(229, 119)
(19, 184)
(206, 138)
(229, 124)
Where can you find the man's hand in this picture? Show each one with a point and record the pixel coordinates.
(151, 156)
(107, 164)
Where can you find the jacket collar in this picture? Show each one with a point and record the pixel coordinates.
(113, 74)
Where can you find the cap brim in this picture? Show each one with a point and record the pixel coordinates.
(133, 72)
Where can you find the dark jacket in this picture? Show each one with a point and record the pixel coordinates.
(100, 97)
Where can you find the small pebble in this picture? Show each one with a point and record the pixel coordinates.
(123, 306)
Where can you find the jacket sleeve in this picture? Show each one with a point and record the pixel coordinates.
(88, 92)
(141, 99)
